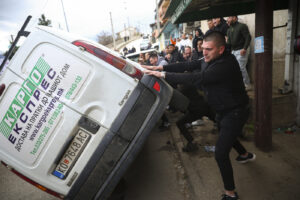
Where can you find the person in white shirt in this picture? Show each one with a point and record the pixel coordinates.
(190, 41)
(183, 42)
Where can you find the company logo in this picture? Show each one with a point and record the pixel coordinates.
(14, 119)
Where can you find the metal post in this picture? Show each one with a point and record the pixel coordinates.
(65, 15)
(22, 32)
(112, 30)
(263, 73)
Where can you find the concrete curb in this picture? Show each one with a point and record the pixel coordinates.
(191, 174)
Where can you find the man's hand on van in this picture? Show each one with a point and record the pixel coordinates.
(155, 73)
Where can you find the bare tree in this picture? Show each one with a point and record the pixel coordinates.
(105, 38)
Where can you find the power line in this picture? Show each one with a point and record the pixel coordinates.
(65, 15)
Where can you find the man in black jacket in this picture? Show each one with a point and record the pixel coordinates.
(176, 55)
(197, 52)
(222, 83)
(220, 25)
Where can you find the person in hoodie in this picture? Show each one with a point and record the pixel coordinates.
(198, 35)
(155, 59)
(198, 51)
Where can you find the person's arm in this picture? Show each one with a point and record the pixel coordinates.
(150, 67)
(246, 34)
(219, 72)
(182, 66)
(228, 36)
(176, 78)
(183, 78)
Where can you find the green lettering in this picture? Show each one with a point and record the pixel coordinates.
(10, 120)
(29, 87)
(15, 108)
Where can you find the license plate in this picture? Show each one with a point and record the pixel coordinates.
(71, 155)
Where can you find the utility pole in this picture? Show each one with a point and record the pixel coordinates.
(126, 13)
(263, 73)
(112, 30)
(65, 15)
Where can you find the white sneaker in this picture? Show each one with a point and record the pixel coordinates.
(198, 122)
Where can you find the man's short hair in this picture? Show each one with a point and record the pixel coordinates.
(153, 55)
(199, 39)
(215, 36)
(171, 45)
(188, 47)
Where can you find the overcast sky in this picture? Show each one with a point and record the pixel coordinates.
(85, 17)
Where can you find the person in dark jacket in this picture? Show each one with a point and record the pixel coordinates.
(220, 25)
(239, 39)
(198, 35)
(198, 52)
(176, 55)
(222, 83)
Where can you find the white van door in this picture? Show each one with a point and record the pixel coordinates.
(89, 85)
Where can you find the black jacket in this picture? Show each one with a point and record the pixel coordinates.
(196, 55)
(195, 40)
(222, 27)
(221, 81)
(176, 57)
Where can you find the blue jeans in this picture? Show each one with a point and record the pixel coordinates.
(230, 126)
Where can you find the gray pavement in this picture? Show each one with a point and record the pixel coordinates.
(273, 175)
(157, 173)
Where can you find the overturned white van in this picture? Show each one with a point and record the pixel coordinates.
(74, 114)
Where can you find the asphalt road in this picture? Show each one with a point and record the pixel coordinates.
(155, 174)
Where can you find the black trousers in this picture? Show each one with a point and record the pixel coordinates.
(186, 118)
(230, 126)
(191, 115)
(197, 108)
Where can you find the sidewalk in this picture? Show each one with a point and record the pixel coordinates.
(272, 176)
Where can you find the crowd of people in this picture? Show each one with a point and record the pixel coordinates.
(127, 51)
(210, 70)
(189, 46)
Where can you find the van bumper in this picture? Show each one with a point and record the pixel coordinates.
(123, 141)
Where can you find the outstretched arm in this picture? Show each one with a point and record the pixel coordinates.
(149, 67)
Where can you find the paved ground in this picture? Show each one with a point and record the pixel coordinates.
(157, 172)
(273, 176)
